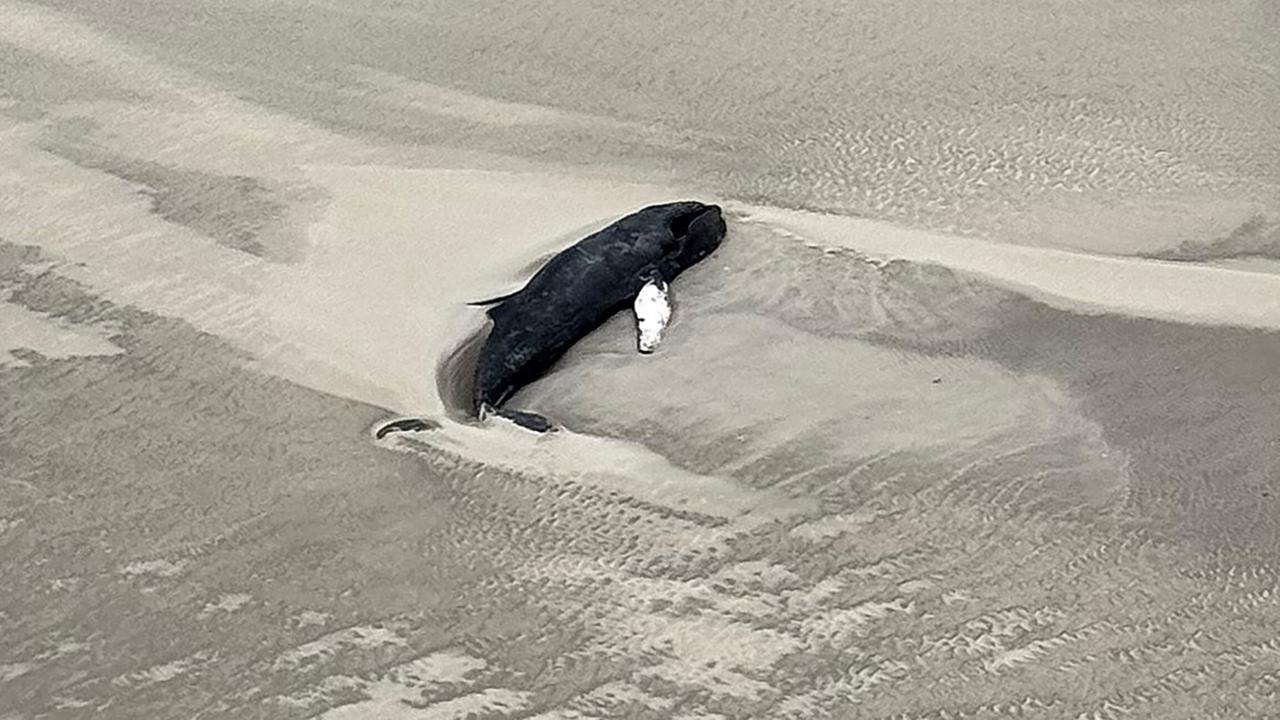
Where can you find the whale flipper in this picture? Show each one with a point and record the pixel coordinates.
(495, 300)
(653, 311)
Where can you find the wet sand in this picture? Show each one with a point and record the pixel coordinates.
(972, 415)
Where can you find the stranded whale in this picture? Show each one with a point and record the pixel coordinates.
(628, 263)
(580, 288)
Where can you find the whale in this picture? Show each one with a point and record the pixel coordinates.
(631, 262)
(580, 288)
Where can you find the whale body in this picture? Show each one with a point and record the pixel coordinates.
(582, 287)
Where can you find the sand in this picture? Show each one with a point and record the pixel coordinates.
(972, 415)
(1149, 288)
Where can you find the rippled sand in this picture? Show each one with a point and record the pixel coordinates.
(973, 414)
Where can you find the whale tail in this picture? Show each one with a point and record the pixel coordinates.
(412, 424)
(526, 420)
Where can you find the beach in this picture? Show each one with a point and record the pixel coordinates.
(973, 413)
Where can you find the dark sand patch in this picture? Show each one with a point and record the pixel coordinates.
(1194, 408)
(138, 489)
(237, 211)
(13, 256)
(1257, 237)
(31, 84)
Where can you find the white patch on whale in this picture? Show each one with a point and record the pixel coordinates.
(653, 312)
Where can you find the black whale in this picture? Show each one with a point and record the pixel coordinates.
(580, 288)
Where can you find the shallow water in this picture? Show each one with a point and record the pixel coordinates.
(876, 468)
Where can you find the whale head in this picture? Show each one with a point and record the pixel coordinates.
(674, 236)
(697, 230)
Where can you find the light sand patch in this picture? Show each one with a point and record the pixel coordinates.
(1000, 638)
(1031, 652)
(706, 652)
(358, 638)
(401, 91)
(709, 649)
(830, 526)
(612, 466)
(68, 647)
(1184, 225)
(436, 669)
(322, 692)
(1247, 264)
(840, 626)
(912, 587)
(14, 670)
(51, 337)
(9, 671)
(616, 697)
(815, 597)
(1073, 281)
(390, 701)
(312, 617)
(391, 693)
(623, 591)
(162, 673)
(755, 575)
(153, 568)
(226, 603)
(860, 680)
